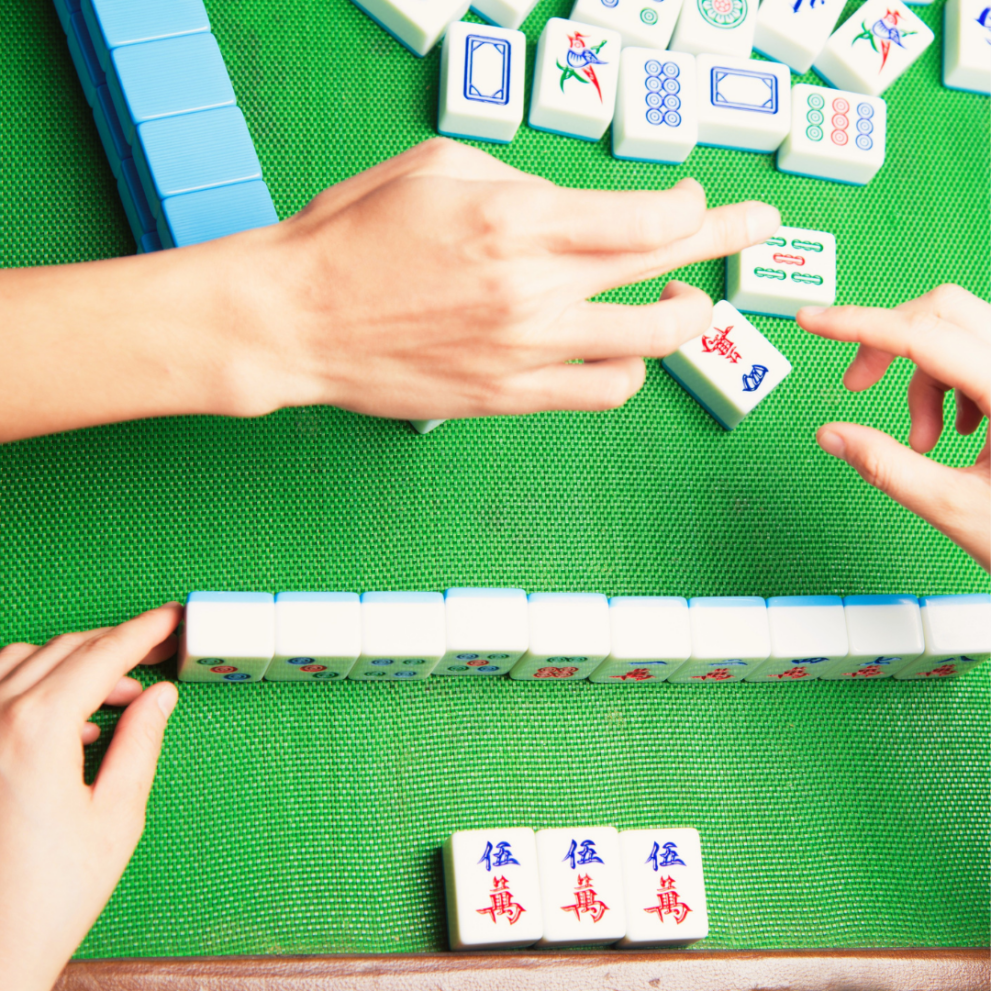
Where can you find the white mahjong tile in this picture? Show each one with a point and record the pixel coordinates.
(415, 24)
(425, 426)
(795, 31)
(643, 23)
(808, 634)
(656, 116)
(317, 636)
(402, 636)
(574, 80)
(730, 639)
(871, 49)
(650, 638)
(957, 631)
(492, 884)
(664, 887)
(885, 634)
(568, 636)
(721, 27)
(581, 885)
(967, 45)
(794, 268)
(227, 637)
(488, 630)
(481, 82)
(743, 104)
(504, 13)
(730, 368)
(835, 134)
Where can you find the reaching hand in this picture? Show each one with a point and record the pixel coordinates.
(947, 334)
(64, 845)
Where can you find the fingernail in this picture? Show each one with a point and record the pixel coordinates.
(832, 443)
(762, 221)
(167, 701)
(813, 311)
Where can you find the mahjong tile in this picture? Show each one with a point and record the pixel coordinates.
(720, 27)
(730, 368)
(575, 79)
(808, 634)
(794, 268)
(650, 637)
(957, 630)
(641, 23)
(664, 887)
(581, 884)
(795, 31)
(402, 636)
(492, 884)
(885, 634)
(415, 24)
(967, 45)
(568, 636)
(656, 116)
(871, 49)
(481, 82)
(730, 639)
(227, 637)
(487, 631)
(317, 636)
(835, 135)
(504, 13)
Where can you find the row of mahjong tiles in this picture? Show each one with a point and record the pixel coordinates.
(574, 886)
(241, 637)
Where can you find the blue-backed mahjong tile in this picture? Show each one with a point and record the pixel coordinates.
(111, 133)
(91, 76)
(149, 242)
(164, 78)
(194, 151)
(212, 213)
(114, 23)
(65, 9)
(139, 215)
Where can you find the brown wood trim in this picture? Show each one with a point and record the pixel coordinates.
(915, 969)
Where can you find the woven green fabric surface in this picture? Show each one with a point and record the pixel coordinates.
(308, 818)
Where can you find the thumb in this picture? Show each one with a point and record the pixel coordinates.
(128, 769)
(942, 496)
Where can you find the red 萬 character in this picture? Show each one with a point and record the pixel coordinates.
(586, 902)
(793, 673)
(720, 344)
(502, 902)
(668, 903)
(720, 674)
(637, 674)
(871, 671)
(943, 671)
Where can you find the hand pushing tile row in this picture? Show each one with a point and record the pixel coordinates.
(240, 637)
(166, 113)
(574, 887)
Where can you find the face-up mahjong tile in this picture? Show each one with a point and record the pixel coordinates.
(640, 23)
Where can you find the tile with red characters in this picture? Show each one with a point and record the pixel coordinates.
(957, 630)
(581, 885)
(885, 634)
(730, 640)
(493, 889)
(665, 889)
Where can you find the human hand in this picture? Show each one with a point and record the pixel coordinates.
(947, 334)
(63, 844)
(444, 283)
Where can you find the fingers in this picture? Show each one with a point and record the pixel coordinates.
(128, 769)
(13, 655)
(90, 733)
(953, 303)
(952, 500)
(925, 404)
(592, 220)
(88, 675)
(124, 692)
(592, 386)
(968, 415)
(945, 351)
(867, 368)
(596, 331)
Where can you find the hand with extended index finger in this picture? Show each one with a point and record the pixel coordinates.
(947, 334)
(444, 283)
(63, 844)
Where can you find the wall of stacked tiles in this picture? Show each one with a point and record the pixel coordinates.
(243, 637)
(168, 118)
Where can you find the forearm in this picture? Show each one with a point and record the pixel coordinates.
(121, 339)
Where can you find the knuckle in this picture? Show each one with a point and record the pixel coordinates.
(16, 650)
(19, 719)
(947, 294)
(67, 641)
(438, 151)
(875, 471)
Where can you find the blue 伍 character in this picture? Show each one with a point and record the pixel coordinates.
(666, 856)
(499, 856)
(585, 854)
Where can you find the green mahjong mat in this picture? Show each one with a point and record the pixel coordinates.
(292, 818)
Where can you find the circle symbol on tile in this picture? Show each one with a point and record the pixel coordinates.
(405, 674)
(671, 102)
(840, 121)
(840, 105)
(672, 86)
(465, 657)
(864, 143)
(726, 14)
(813, 133)
(654, 116)
(313, 667)
(240, 676)
(839, 138)
(865, 110)
(223, 669)
(652, 68)
(816, 102)
(476, 664)
(300, 660)
(815, 117)
(414, 660)
(210, 660)
(864, 126)
(655, 100)
(498, 657)
(458, 667)
(648, 16)
(653, 84)
(671, 69)
(382, 661)
(672, 119)
(325, 674)
(488, 669)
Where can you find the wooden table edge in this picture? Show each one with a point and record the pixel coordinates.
(888, 969)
